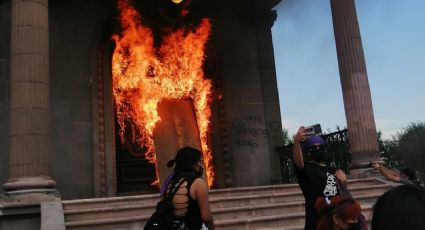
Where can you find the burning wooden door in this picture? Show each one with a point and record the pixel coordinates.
(178, 128)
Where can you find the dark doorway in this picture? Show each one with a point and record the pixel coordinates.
(134, 172)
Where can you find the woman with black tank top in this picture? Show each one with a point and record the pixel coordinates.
(191, 205)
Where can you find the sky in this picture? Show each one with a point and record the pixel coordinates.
(393, 37)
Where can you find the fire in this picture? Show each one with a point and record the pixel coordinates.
(144, 75)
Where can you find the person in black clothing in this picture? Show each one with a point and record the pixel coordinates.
(314, 177)
(191, 205)
(401, 208)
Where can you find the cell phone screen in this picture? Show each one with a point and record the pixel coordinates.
(313, 130)
(309, 130)
(317, 128)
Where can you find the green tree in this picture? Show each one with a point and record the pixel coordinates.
(411, 148)
(286, 138)
(286, 164)
(406, 149)
(388, 149)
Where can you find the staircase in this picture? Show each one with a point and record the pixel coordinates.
(263, 207)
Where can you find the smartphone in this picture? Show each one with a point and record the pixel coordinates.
(313, 130)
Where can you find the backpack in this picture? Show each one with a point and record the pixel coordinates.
(162, 218)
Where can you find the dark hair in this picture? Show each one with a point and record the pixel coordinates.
(185, 158)
(409, 173)
(344, 207)
(402, 207)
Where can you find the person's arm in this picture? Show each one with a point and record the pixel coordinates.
(201, 196)
(389, 174)
(341, 177)
(389, 171)
(297, 155)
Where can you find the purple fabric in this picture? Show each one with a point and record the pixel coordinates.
(165, 185)
(314, 140)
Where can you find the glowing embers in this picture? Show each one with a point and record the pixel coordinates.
(144, 75)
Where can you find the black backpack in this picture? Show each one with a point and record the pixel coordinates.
(162, 218)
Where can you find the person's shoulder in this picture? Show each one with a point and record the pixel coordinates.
(199, 184)
(199, 181)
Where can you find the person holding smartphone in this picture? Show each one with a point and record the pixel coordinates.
(314, 177)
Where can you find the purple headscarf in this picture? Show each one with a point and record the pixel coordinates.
(313, 140)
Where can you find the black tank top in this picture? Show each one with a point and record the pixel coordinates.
(192, 216)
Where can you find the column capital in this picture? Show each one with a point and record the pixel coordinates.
(266, 18)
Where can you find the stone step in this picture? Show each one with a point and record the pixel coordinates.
(219, 213)
(109, 202)
(75, 217)
(272, 189)
(245, 193)
(144, 210)
(221, 202)
(364, 182)
(248, 210)
(107, 211)
(221, 193)
(291, 221)
(270, 209)
(278, 221)
(118, 223)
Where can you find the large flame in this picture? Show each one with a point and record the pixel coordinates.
(144, 75)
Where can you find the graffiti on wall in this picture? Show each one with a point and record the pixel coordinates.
(249, 129)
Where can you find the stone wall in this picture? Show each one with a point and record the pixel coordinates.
(246, 125)
(75, 30)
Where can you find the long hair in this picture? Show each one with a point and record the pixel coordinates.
(184, 160)
(400, 208)
(344, 207)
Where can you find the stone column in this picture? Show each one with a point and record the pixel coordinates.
(29, 101)
(355, 86)
(264, 23)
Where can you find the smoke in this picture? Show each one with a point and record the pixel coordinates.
(288, 4)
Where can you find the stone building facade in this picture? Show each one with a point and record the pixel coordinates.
(56, 105)
(78, 140)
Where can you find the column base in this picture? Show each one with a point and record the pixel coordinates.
(28, 183)
(29, 209)
(29, 196)
(359, 170)
(364, 164)
(362, 173)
